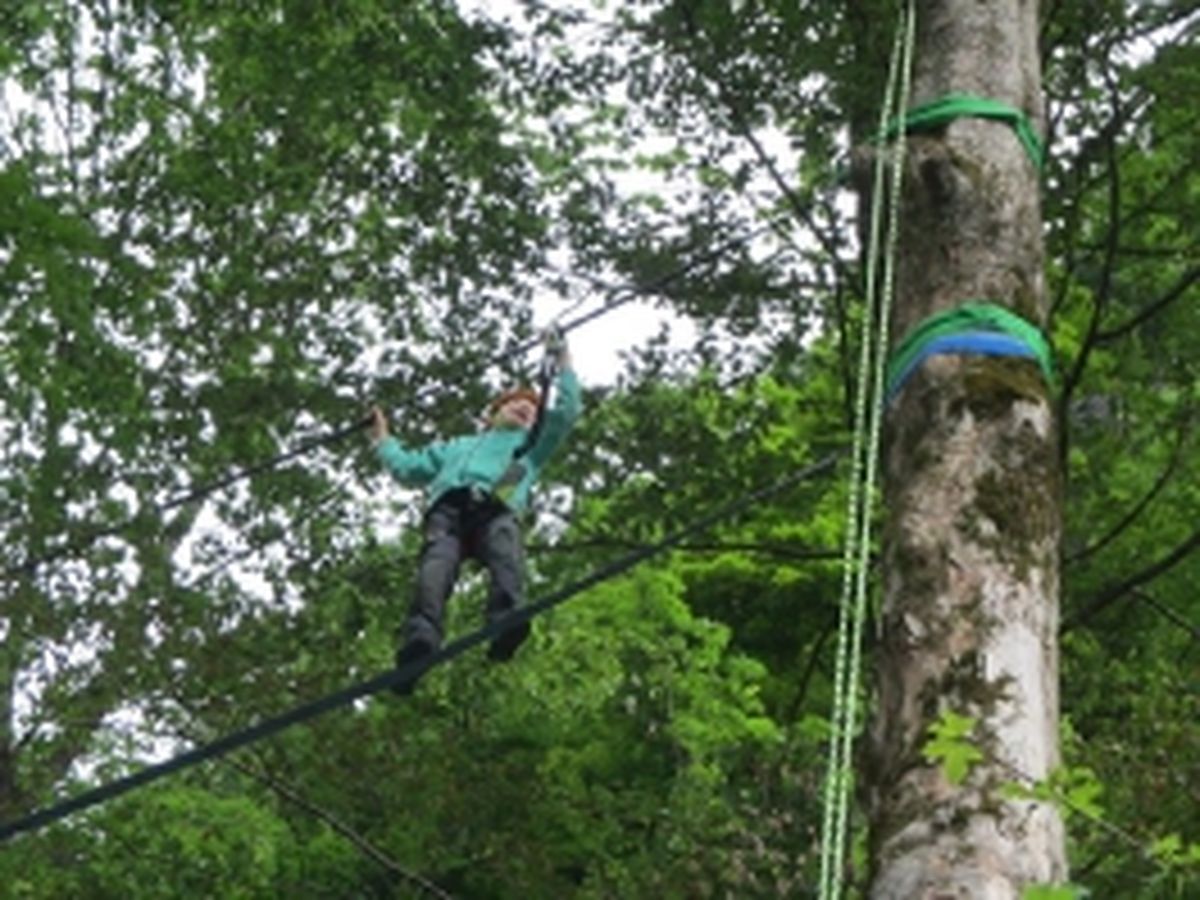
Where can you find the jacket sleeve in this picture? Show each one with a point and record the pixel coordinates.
(559, 418)
(414, 468)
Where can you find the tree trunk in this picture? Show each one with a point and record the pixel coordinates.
(972, 492)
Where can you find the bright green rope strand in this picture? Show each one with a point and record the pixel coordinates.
(876, 423)
(856, 555)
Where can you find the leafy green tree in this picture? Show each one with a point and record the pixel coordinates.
(226, 228)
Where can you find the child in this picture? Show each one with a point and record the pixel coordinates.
(476, 485)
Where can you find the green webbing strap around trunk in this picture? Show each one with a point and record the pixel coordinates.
(941, 112)
(969, 317)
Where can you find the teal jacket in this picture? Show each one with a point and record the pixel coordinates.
(485, 460)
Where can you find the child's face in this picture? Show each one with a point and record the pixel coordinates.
(518, 412)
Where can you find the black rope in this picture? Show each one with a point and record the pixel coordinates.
(657, 284)
(304, 448)
(72, 547)
(405, 673)
(90, 537)
(546, 373)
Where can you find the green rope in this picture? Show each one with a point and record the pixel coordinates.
(856, 552)
(944, 110)
(987, 316)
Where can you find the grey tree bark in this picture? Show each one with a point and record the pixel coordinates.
(972, 493)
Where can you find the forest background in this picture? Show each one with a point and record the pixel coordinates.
(227, 227)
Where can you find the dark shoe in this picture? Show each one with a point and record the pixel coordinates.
(507, 642)
(412, 651)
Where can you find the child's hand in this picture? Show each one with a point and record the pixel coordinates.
(379, 426)
(556, 345)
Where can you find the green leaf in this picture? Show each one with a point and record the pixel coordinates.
(1054, 892)
(948, 745)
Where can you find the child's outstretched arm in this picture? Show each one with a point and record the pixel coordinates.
(411, 467)
(568, 404)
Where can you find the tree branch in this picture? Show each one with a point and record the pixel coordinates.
(1176, 291)
(1169, 614)
(802, 211)
(1111, 595)
(1113, 242)
(291, 795)
(361, 843)
(1138, 508)
(777, 550)
(810, 669)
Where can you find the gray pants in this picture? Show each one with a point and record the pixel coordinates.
(465, 525)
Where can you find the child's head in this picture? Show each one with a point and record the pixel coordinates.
(516, 408)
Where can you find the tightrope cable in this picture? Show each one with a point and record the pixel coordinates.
(405, 673)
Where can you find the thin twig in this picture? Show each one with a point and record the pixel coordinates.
(366, 847)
